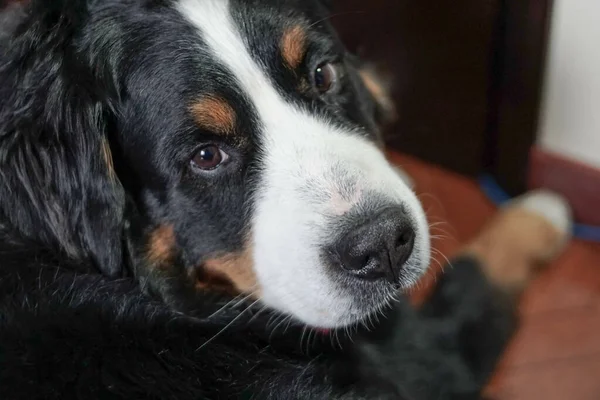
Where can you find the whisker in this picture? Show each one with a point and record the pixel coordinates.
(226, 326)
(337, 337)
(311, 333)
(290, 320)
(263, 308)
(334, 16)
(283, 320)
(448, 263)
(236, 298)
(302, 336)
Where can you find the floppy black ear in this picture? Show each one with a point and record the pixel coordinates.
(57, 186)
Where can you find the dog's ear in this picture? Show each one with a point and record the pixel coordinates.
(57, 184)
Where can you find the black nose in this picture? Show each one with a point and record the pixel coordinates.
(376, 248)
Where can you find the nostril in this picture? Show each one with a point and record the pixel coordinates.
(363, 262)
(404, 238)
(357, 263)
(370, 261)
(405, 242)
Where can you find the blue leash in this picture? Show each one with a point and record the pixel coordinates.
(498, 196)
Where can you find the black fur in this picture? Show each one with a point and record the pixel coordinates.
(82, 313)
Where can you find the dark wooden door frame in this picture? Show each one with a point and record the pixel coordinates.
(487, 57)
(516, 84)
(438, 55)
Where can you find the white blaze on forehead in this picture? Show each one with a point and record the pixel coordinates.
(293, 132)
(309, 165)
(222, 36)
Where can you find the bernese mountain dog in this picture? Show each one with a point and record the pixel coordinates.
(195, 204)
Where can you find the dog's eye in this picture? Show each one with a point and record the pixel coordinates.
(325, 77)
(209, 157)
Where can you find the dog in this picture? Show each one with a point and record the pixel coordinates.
(195, 203)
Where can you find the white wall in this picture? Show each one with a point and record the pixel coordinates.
(570, 119)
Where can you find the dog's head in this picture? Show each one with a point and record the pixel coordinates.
(241, 133)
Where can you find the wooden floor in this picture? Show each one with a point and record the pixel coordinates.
(556, 354)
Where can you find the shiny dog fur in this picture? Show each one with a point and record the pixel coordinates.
(121, 254)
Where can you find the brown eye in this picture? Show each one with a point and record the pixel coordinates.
(325, 77)
(209, 157)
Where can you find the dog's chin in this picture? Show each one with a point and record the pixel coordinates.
(339, 302)
(346, 314)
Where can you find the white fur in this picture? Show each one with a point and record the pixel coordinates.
(552, 207)
(549, 205)
(313, 172)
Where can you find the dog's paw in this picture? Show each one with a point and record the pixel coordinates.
(528, 232)
(555, 210)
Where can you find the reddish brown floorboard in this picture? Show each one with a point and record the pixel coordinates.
(556, 353)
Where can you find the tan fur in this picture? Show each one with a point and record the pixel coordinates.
(293, 46)
(380, 93)
(108, 160)
(235, 268)
(214, 114)
(161, 246)
(513, 245)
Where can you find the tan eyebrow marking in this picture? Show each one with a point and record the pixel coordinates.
(293, 46)
(215, 114)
